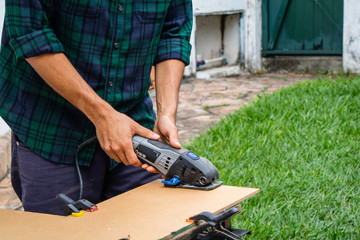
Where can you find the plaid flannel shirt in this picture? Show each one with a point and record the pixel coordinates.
(112, 44)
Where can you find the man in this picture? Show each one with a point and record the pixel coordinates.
(71, 70)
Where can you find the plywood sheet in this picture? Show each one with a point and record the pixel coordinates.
(148, 212)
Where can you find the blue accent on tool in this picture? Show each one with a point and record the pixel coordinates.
(193, 155)
(174, 181)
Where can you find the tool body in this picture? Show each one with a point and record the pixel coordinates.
(181, 167)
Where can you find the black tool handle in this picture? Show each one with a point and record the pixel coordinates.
(65, 199)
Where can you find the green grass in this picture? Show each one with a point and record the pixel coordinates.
(207, 107)
(301, 147)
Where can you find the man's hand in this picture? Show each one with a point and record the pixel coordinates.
(114, 131)
(165, 127)
(168, 78)
(167, 83)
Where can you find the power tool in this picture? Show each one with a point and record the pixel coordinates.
(181, 167)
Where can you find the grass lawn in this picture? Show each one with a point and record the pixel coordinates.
(301, 147)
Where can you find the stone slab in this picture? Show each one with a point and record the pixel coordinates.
(5, 154)
(8, 198)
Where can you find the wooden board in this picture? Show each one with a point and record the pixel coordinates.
(148, 212)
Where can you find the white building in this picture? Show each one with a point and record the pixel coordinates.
(234, 29)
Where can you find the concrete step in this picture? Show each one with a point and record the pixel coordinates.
(219, 72)
(301, 64)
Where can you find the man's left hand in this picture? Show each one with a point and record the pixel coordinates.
(165, 127)
(168, 75)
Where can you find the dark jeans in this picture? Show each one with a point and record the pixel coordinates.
(37, 181)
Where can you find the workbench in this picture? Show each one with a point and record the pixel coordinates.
(151, 211)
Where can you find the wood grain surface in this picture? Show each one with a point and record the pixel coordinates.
(148, 212)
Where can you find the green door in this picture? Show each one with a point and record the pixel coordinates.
(302, 27)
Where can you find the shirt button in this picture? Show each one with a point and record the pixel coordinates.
(121, 8)
(116, 45)
(110, 84)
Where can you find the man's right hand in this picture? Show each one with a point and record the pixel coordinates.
(115, 130)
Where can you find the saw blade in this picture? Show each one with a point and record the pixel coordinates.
(203, 188)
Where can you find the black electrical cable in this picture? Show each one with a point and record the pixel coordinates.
(80, 147)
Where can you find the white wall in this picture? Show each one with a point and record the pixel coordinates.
(253, 35)
(206, 7)
(250, 29)
(2, 11)
(211, 38)
(232, 39)
(351, 41)
(4, 128)
(208, 36)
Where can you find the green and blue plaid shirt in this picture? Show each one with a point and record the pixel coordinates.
(112, 44)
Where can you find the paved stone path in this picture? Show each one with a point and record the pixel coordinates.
(202, 103)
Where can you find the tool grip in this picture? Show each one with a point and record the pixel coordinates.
(155, 153)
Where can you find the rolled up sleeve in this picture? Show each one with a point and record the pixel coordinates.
(28, 30)
(175, 37)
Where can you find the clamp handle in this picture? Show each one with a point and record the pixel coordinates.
(218, 226)
(64, 198)
(209, 217)
(71, 206)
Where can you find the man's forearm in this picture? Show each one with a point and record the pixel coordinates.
(168, 79)
(114, 130)
(57, 71)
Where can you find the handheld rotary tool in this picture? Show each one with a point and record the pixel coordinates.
(181, 167)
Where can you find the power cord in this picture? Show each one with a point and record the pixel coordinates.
(80, 147)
